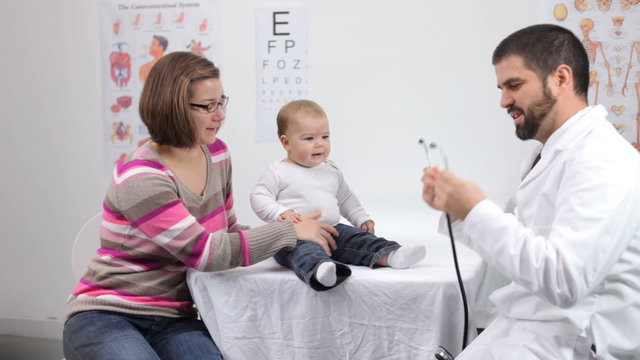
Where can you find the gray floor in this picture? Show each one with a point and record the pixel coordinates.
(27, 348)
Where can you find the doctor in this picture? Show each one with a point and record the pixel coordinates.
(572, 250)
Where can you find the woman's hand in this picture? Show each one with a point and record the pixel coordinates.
(309, 229)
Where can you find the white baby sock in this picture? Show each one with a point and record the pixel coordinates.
(326, 274)
(406, 256)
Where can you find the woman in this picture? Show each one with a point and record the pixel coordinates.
(169, 207)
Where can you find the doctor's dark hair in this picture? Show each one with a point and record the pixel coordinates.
(164, 102)
(543, 48)
(289, 111)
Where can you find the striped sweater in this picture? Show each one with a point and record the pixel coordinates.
(154, 228)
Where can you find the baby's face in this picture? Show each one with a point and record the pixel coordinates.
(307, 139)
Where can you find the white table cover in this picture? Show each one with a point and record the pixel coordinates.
(265, 312)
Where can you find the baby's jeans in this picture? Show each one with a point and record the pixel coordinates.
(355, 247)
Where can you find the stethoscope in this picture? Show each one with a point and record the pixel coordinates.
(441, 352)
(431, 147)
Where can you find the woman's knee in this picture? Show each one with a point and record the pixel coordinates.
(104, 335)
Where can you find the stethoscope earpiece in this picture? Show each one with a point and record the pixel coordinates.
(433, 145)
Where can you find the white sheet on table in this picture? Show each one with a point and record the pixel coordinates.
(356, 320)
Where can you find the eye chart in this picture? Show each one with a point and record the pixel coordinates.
(281, 64)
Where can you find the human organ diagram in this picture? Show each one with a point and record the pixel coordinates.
(135, 35)
(120, 62)
(122, 102)
(203, 25)
(197, 48)
(610, 33)
(121, 132)
(136, 20)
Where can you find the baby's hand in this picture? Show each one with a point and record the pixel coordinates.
(290, 214)
(368, 226)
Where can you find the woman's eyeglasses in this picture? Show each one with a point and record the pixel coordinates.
(212, 107)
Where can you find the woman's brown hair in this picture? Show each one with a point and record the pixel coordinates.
(164, 102)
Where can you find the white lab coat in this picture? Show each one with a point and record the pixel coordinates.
(572, 250)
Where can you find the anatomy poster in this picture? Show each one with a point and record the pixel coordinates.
(281, 64)
(136, 34)
(610, 32)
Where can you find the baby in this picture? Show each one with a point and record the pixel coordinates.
(305, 182)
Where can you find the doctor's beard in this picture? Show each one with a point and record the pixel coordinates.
(535, 115)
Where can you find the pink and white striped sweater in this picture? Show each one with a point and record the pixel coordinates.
(154, 228)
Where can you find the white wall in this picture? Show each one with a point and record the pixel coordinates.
(386, 72)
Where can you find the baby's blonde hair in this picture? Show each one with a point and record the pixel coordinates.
(290, 110)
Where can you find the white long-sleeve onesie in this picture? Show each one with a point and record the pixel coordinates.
(284, 186)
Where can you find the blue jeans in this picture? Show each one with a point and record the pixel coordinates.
(106, 335)
(355, 247)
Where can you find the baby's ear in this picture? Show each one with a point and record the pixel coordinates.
(284, 141)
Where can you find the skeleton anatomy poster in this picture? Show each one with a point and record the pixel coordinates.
(281, 64)
(610, 32)
(135, 34)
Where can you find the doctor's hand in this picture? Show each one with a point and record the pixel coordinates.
(310, 229)
(445, 191)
